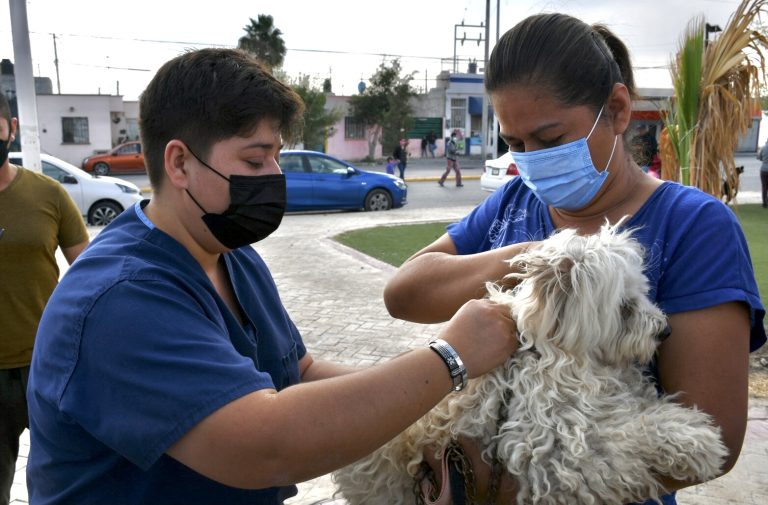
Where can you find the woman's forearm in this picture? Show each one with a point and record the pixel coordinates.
(430, 287)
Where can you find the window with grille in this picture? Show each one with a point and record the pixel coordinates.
(353, 129)
(458, 112)
(74, 130)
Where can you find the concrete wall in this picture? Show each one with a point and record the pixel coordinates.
(52, 108)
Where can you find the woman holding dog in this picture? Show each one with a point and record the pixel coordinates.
(562, 91)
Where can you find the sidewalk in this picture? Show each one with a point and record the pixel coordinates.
(348, 323)
(430, 169)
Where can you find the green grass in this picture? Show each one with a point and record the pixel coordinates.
(754, 221)
(395, 244)
(392, 244)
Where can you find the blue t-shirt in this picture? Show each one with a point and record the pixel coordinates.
(135, 348)
(696, 255)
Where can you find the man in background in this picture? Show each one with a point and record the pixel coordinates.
(432, 142)
(452, 162)
(401, 155)
(36, 217)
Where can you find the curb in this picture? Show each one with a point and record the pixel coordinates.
(437, 178)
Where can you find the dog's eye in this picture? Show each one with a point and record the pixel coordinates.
(626, 311)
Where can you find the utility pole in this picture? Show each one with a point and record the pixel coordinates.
(25, 86)
(484, 129)
(708, 28)
(495, 125)
(464, 39)
(56, 64)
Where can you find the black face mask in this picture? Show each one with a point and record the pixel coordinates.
(4, 148)
(256, 208)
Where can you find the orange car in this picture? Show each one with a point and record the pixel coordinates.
(123, 158)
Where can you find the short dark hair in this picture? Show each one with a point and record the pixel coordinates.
(576, 62)
(207, 95)
(5, 108)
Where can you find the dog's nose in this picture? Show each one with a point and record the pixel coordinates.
(664, 334)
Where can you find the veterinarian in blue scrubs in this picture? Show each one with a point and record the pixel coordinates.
(562, 91)
(163, 361)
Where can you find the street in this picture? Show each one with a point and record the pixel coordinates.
(424, 193)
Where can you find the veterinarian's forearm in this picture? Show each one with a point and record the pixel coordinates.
(313, 428)
(431, 287)
(268, 438)
(312, 370)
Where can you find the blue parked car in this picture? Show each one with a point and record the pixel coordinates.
(316, 181)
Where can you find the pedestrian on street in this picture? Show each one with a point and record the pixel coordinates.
(37, 216)
(391, 164)
(432, 142)
(562, 92)
(167, 370)
(424, 146)
(452, 162)
(401, 155)
(762, 155)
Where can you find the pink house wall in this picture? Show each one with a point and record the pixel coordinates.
(357, 149)
(348, 149)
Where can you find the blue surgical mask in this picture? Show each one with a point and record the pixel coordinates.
(563, 176)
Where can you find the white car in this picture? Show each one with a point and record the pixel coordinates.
(497, 172)
(99, 198)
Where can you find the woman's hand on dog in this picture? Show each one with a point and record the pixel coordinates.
(483, 334)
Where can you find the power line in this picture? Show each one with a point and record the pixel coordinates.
(109, 67)
(207, 44)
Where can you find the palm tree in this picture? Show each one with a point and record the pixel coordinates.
(681, 121)
(703, 130)
(264, 41)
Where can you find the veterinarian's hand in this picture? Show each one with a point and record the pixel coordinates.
(483, 334)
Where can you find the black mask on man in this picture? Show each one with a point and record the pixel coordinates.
(256, 208)
(4, 148)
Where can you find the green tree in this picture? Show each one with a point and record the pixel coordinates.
(384, 107)
(264, 41)
(318, 122)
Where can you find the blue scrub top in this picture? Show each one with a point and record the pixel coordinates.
(135, 347)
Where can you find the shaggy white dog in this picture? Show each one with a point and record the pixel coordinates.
(571, 416)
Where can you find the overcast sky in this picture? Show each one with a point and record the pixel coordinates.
(101, 43)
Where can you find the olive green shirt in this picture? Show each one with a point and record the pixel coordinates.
(38, 216)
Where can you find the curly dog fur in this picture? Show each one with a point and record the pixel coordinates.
(584, 424)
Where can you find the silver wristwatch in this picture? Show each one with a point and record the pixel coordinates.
(452, 360)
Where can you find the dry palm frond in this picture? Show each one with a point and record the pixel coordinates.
(670, 169)
(733, 66)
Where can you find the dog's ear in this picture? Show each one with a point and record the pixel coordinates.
(540, 300)
(642, 323)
